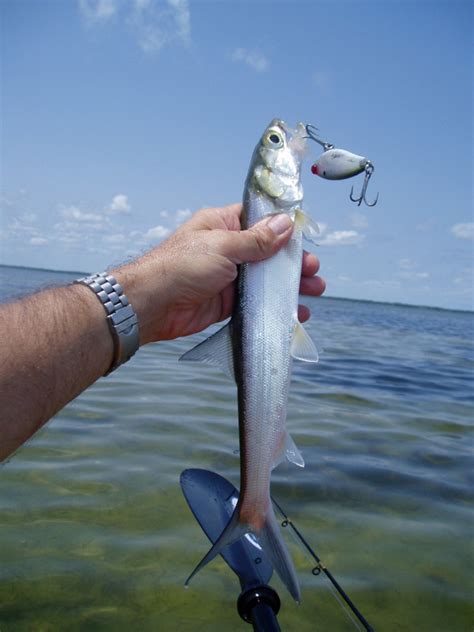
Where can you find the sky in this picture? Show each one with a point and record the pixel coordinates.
(120, 118)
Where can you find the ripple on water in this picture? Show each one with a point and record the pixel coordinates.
(95, 534)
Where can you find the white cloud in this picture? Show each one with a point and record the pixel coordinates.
(377, 283)
(428, 224)
(117, 238)
(24, 227)
(182, 18)
(158, 24)
(38, 241)
(359, 220)
(463, 231)
(465, 278)
(157, 233)
(97, 10)
(406, 264)
(23, 223)
(252, 58)
(154, 23)
(342, 238)
(409, 270)
(182, 215)
(119, 205)
(74, 213)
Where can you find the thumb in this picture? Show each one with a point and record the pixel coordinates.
(260, 241)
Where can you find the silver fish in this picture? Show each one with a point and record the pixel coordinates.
(257, 346)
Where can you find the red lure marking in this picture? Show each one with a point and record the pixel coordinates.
(314, 169)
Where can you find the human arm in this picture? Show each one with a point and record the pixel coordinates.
(57, 342)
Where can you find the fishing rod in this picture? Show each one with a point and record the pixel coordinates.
(212, 499)
(320, 567)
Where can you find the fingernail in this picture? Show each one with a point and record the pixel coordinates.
(279, 223)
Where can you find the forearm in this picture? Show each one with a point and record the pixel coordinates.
(54, 345)
(57, 343)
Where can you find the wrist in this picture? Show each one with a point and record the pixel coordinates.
(145, 283)
(121, 319)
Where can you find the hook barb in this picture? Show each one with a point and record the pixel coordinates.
(369, 169)
(312, 132)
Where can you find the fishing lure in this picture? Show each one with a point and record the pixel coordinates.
(339, 164)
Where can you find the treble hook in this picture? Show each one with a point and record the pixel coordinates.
(311, 130)
(369, 169)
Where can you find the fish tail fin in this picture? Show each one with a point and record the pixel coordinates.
(231, 533)
(271, 540)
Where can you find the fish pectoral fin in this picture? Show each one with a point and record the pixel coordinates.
(215, 350)
(291, 451)
(302, 347)
(307, 225)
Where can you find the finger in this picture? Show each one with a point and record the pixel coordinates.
(310, 264)
(231, 215)
(225, 217)
(227, 301)
(312, 286)
(261, 241)
(303, 313)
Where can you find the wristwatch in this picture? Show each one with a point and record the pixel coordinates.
(122, 320)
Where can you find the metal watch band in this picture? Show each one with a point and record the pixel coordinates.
(123, 321)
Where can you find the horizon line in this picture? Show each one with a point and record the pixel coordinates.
(324, 296)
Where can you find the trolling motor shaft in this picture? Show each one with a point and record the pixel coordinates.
(259, 606)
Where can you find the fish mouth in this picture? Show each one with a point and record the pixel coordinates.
(295, 136)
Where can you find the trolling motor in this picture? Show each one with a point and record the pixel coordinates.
(212, 499)
(339, 164)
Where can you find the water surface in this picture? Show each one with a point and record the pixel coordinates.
(96, 535)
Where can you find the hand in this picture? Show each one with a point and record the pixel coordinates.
(187, 283)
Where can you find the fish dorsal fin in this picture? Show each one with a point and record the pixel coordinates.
(216, 350)
(302, 347)
(291, 451)
(307, 225)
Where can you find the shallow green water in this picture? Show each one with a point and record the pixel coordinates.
(96, 535)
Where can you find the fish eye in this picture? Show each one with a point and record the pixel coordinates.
(274, 140)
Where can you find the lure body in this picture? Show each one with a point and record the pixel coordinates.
(338, 164)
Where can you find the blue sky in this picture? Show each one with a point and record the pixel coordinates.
(122, 117)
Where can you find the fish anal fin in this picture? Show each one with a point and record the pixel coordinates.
(215, 350)
(291, 451)
(302, 347)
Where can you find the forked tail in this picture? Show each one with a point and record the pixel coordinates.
(271, 541)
